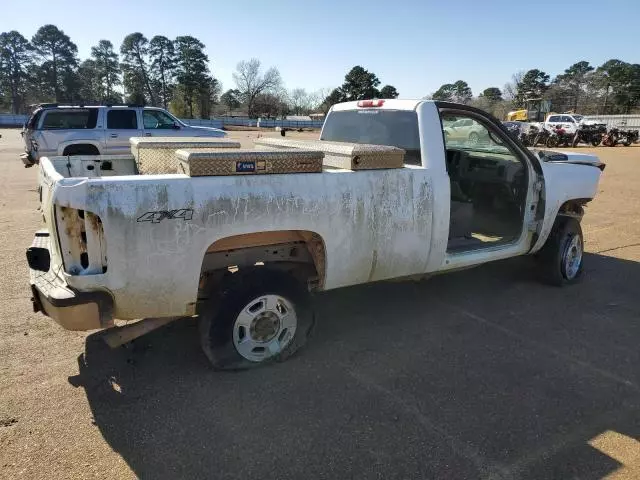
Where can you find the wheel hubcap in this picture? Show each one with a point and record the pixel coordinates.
(573, 258)
(264, 327)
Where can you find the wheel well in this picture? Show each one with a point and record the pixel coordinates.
(301, 253)
(573, 208)
(81, 149)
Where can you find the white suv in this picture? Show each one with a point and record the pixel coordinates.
(99, 130)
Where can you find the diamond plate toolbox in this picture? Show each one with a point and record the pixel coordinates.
(213, 162)
(351, 156)
(156, 155)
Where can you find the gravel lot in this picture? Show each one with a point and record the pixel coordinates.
(478, 374)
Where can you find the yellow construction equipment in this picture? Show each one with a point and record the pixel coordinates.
(535, 111)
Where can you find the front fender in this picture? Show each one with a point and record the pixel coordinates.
(564, 182)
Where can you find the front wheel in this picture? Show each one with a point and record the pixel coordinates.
(561, 256)
(595, 141)
(260, 316)
(576, 141)
(552, 141)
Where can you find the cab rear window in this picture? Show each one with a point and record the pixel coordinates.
(70, 119)
(396, 128)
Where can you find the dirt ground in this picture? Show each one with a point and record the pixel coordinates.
(478, 374)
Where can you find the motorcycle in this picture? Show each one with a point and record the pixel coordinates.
(558, 137)
(541, 136)
(589, 134)
(612, 137)
(528, 136)
(633, 136)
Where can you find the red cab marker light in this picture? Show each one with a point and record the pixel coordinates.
(370, 103)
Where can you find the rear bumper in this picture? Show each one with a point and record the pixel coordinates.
(71, 309)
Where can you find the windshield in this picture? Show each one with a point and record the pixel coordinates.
(397, 128)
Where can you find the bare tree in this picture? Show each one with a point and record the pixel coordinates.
(510, 89)
(251, 82)
(299, 101)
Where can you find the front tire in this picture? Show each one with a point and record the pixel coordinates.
(561, 256)
(552, 141)
(576, 141)
(260, 316)
(474, 138)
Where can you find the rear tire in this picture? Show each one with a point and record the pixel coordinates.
(595, 141)
(552, 142)
(560, 259)
(258, 317)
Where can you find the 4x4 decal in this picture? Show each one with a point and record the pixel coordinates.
(157, 217)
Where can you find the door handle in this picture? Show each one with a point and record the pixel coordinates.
(114, 135)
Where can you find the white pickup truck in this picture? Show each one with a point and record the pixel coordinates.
(570, 122)
(243, 252)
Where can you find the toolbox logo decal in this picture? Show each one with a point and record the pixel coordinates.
(157, 217)
(245, 166)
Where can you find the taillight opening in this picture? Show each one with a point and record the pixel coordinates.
(82, 241)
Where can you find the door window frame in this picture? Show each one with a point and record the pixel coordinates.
(162, 112)
(531, 163)
(492, 124)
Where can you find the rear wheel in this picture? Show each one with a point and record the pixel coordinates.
(260, 316)
(595, 141)
(552, 141)
(561, 256)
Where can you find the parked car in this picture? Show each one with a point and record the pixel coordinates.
(463, 130)
(56, 129)
(244, 250)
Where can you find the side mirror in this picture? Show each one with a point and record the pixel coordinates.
(176, 126)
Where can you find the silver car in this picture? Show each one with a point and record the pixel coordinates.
(99, 130)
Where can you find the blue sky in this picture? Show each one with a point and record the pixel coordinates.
(414, 45)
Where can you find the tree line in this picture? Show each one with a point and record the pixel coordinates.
(611, 88)
(174, 74)
(159, 71)
(171, 73)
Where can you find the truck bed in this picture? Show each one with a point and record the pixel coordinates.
(375, 223)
